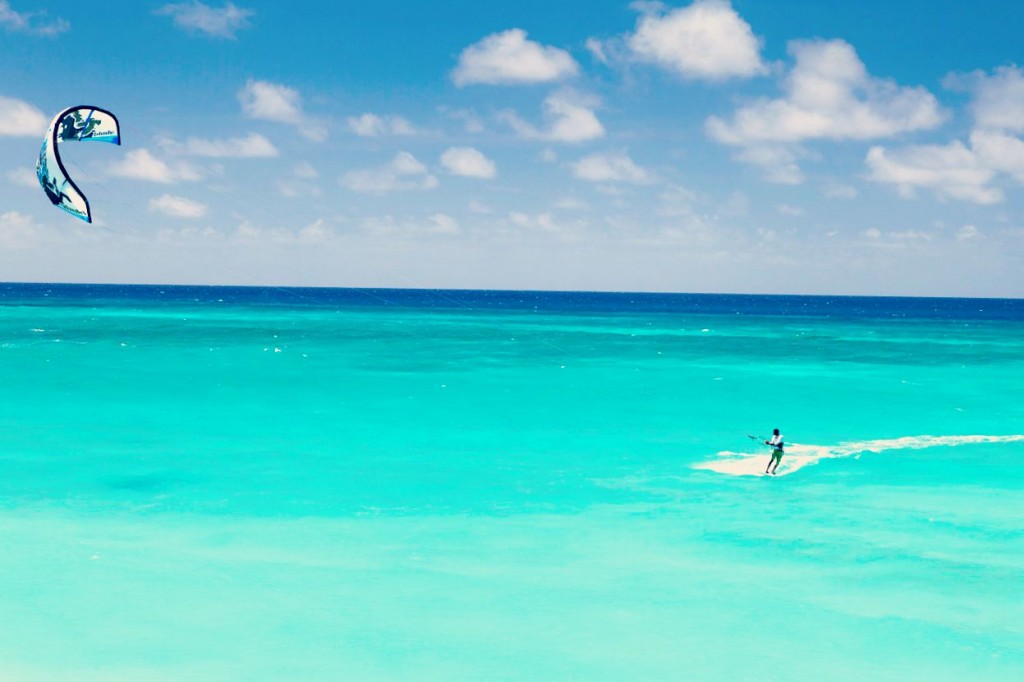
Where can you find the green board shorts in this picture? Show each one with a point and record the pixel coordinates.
(777, 454)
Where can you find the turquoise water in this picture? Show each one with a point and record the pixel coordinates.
(267, 484)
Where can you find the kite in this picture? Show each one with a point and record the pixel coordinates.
(83, 124)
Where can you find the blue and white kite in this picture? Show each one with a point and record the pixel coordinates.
(83, 124)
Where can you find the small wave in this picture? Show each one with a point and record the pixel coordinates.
(801, 455)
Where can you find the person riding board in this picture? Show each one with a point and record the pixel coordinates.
(777, 444)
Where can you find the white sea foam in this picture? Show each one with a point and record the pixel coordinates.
(801, 455)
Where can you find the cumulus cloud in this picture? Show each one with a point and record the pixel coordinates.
(998, 98)
(829, 95)
(275, 102)
(961, 171)
(468, 162)
(372, 125)
(509, 58)
(610, 168)
(140, 164)
(250, 146)
(952, 171)
(21, 119)
(402, 173)
(707, 40)
(177, 207)
(197, 17)
(570, 117)
(999, 151)
(33, 23)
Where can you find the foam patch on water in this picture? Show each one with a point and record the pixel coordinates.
(800, 455)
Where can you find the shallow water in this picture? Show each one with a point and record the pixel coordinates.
(212, 483)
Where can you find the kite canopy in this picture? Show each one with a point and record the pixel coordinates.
(84, 124)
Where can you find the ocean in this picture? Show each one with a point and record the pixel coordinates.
(221, 483)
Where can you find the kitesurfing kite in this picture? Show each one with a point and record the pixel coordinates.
(83, 124)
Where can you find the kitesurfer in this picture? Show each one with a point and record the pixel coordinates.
(777, 444)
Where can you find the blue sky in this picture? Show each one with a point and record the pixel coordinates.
(788, 146)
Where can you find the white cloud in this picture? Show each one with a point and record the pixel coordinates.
(271, 102)
(894, 239)
(387, 226)
(16, 230)
(30, 22)
(177, 207)
(777, 162)
(443, 224)
(952, 171)
(19, 231)
(25, 177)
(829, 95)
(140, 164)
(570, 118)
(572, 231)
(468, 162)
(597, 49)
(998, 99)
(279, 103)
(21, 119)
(1000, 152)
(510, 58)
(252, 145)
(372, 125)
(315, 233)
(401, 173)
(956, 170)
(610, 168)
(198, 17)
(967, 232)
(706, 40)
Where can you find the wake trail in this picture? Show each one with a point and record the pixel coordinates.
(799, 456)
